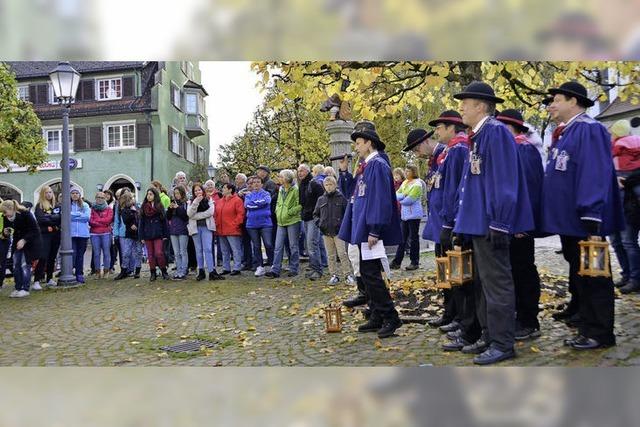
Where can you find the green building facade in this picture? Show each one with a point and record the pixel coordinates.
(131, 123)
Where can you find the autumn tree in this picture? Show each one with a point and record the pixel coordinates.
(21, 140)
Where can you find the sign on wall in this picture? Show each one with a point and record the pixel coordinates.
(46, 166)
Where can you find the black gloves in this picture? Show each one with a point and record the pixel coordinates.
(498, 239)
(592, 227)
(457, 240)
(445, 237)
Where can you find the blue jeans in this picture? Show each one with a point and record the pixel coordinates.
(266, 234)
(79, 245)
(179, 244)
(131, 253)
(289, 233)
(231, 244)
(312, 234)
(632, 250)
(101, 243)
(323, 252)
(21, 271)
(203, 240)
(616, 241)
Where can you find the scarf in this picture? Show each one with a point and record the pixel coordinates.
(203, 205)
(459, 138)
(149, 209)
(100, 206)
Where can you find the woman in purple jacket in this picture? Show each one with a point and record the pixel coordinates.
(178, 220)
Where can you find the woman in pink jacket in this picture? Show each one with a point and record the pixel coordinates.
(100, 223)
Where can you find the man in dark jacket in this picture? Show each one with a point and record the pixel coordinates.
(310, 192)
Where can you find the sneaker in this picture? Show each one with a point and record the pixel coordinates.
(235, 273)
(314, 275)
(22, 294)
(271, 275)
(259, 272)
(36, 286)
(52, 283)
(334, 280)
(13, 294)
(350, 280)
(527, 333)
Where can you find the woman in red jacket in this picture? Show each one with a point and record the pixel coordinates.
(229, 215)
(100, 223)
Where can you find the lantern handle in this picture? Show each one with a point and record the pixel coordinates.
(595, 238)
(457, 248)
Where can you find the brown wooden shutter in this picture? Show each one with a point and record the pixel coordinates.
(95, 138)
(127, 87)
(87, 90)
(143, 135)
(183, 146)
(171, 90)
(33, 93)
(42, 94)
(170, 132)
(80, 139)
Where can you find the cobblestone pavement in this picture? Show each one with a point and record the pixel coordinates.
(253, 322)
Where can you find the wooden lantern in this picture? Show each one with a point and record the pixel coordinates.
(333, 318)
(460, 266)
(442, 273)
(594, 257)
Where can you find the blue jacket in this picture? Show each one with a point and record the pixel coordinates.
(586, 188)
(258, 209)
(119, 228)
(491, 199)
(372, 208)
(444, 200)
(178, 220)
(531, 164)
(153, 227)
(80, 220)
(432, 227)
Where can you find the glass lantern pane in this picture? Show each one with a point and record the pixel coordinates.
(597, 258)
(466, 270)
(455, 267)
(585, 258)
(441, 272)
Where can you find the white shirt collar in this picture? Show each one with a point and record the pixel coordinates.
(480, 123)
(573, 118)
(371, 156)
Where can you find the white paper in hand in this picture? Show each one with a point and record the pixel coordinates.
(376, 252)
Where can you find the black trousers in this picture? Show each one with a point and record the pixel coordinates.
(410, 236)
(571, 254)
(4, 250)
(526, 281)
(596, 307)
(496, 283)
(48, 255)
(376, 290)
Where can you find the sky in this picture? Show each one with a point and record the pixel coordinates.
(232, 99)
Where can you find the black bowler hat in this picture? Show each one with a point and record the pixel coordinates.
(449, 117)
(367, 130)
(415, 137)
(479, 90)
(575, 90)
(514, 118)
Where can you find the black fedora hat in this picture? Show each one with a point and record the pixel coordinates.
(575, 90)
(514, 118)
(479, 90)
(415, 137)
(449, 117)
(367, 130)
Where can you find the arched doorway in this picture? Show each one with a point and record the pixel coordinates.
(56, 186)
(119, 181)
(10, 192)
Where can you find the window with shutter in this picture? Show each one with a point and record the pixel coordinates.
(175, 96)
(109, 89)
(53, 136)
(119, 135)
(23, 92)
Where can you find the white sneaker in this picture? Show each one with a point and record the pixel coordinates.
(22, 294)
(52, 283)
(36, 286)
(259, 272)
(334, 280)
(13, 294)
(350, 280)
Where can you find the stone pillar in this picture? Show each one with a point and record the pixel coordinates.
(339, 139)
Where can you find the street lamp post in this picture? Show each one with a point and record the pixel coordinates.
(211, 170)
(65, 85)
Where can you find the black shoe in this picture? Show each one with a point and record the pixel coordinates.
(154, 275)
(453, 326)
(476, 348)
(123, 275)
(136, 274)
(165, 275)
(440, 321)
(631, 287)
(201, 275)
(394, 265)
(359, 299)
(271, 275)
(456, 345)
(213, 275)
(389, 327)
(584, 343)
(412, 267)
(225, 272)
(527, 334)
(234, 273)
(454, 334)
(622, 282)
(292, 274)
(372, 325)
(569, 341)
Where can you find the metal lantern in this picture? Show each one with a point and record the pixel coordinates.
(460, 266)
(594, 257)
(333, 318)
(442, 273)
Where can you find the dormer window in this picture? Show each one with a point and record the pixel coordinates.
(109, 89)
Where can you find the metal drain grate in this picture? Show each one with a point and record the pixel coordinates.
(187, 347)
